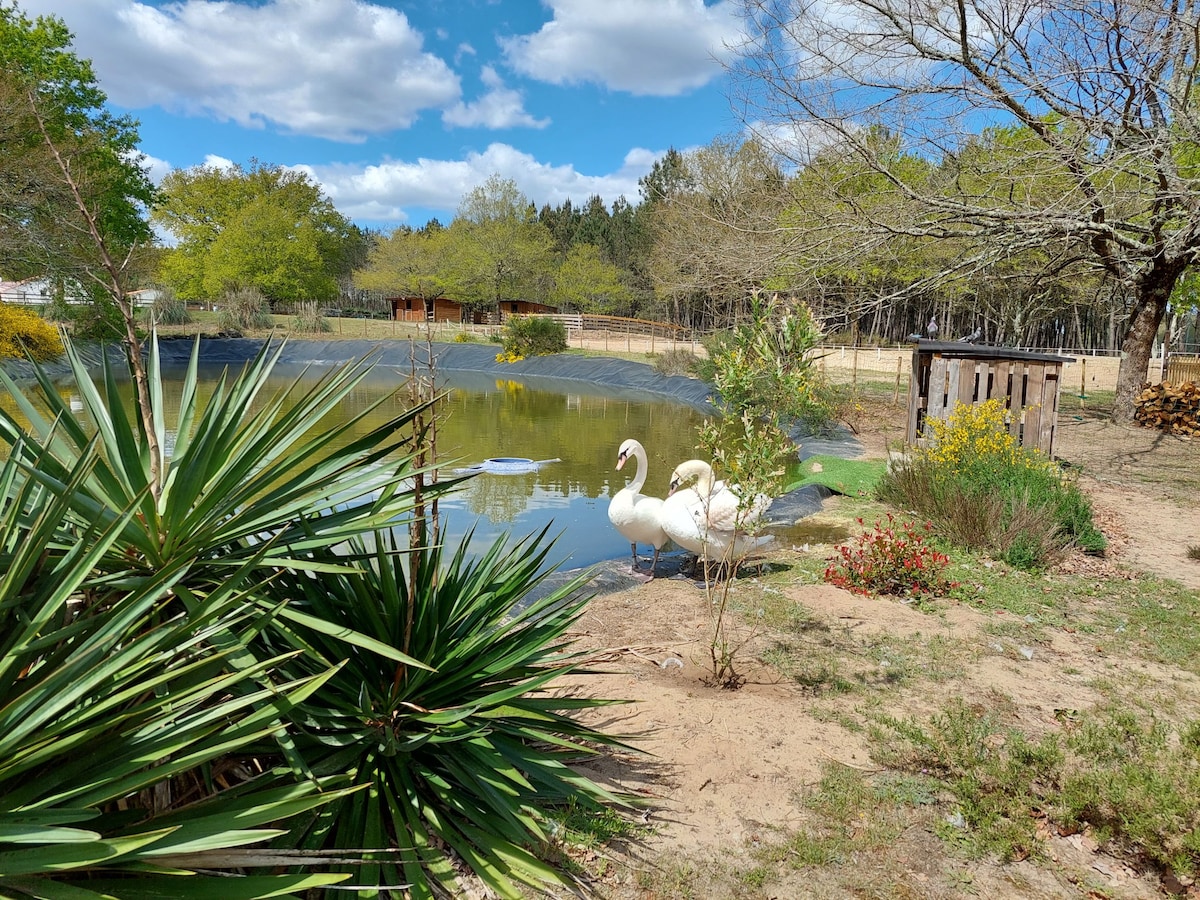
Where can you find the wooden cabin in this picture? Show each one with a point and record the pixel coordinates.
(947, 373)
(420, 309)
(506, 308)
(523, 308)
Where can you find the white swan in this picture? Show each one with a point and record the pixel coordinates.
(637, 517)
(710, 519)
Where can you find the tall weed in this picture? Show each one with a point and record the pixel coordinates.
(244, 309)
(168, 309)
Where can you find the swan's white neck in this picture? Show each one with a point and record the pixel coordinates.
(704, 476)
(639, 480)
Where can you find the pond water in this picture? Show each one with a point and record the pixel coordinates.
(572, 429)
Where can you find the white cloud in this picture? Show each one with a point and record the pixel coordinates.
(338, 69)
(644, 47)
(158, 168)
(383, 192)
(213, 161)
(500, 107)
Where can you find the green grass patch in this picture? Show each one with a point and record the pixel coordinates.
(1155, 619)
(1129, 774)
(851, 813)
(853, 477)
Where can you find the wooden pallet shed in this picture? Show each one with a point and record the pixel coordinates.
(947, 373)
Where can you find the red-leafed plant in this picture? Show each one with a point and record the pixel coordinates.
(891, 558)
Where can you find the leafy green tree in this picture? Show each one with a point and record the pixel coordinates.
(264, 226)
(88, 188)
(413, 263)
(561, 221)
(51, 100)
(265, 246)
(594, 224)
(500, 250)
(587, 283)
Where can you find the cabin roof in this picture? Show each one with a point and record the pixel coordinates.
(966, 350)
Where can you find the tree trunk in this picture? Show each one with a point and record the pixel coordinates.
(1153, 292)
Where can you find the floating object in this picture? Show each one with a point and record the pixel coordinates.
(508, 465)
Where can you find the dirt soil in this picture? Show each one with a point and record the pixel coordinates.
(724, 772)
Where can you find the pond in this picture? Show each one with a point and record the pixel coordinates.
(571, 428)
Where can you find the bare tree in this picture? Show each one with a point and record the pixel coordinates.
(1084, 110)
(111, 273)
(718, 235)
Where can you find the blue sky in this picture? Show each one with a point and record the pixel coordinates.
(400, 107)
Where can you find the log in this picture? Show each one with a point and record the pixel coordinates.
(1172, 408)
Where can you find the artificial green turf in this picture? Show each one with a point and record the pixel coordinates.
(854, 477)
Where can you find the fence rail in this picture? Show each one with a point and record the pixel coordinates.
(1183, 368)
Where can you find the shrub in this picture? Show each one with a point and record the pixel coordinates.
(98, 320)
(23, 333)
(983, 491)
(244, 309)
(893, 559)
(533, 336)
(201, 643)
(465, 337)
(168, 309)
(308, 319)
(767, 363)
(57, 309)
(676, 361)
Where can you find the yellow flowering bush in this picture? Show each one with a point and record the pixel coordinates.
(981, 489)
(25, 333)
(978, 435)
(507, 356)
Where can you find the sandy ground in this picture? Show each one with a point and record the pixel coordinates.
(724, 771)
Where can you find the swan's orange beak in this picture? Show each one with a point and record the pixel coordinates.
(621, 457)
(674, 486)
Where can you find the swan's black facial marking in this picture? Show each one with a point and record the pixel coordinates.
(621, 457)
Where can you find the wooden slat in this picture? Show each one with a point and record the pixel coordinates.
(999, 389)
(1031, 432)
(936, 404)
(916, 398)
(954, 369)
(971, 371)
(1016, 398)
(1050, 412)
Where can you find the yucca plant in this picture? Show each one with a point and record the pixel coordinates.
(465, 757)
(244, 467)
(102, 703)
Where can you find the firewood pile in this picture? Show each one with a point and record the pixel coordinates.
(1173, 408)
